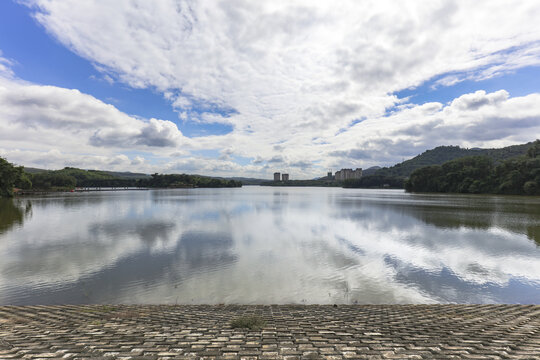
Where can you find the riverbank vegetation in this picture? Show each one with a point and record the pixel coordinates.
(15, 177)
(480, 174)
(11, 176)
(394, 177)
(183, 180)
(375, 182)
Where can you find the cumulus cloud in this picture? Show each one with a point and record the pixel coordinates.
(66, 126)
(204, 48)
(353, 154)
(154, 133)
(476, 119)
(206, 166)
(478, 99)
(137, 160)
(57, 159)
(284, 73)
(56, 116)
(53, 127)
(50, 108)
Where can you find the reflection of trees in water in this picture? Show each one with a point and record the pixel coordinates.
(13, 212)
(69, 201)
(515, 214)
(524, 220)
(451, 218)
(533, 232)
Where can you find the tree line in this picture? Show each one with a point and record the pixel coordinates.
(184, 180)
(375, 181)
(317, 183)
(480, 174)
(12, 176)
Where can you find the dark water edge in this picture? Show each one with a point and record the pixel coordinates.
(261, 245)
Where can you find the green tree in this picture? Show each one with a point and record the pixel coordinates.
(477, 174)
(426, 179)
(534, 150)
(9, 175)
(530, 187)
(24, 181)
(53, 179)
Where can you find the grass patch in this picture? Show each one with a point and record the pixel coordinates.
(252, 322)
(108, 308)
(98, 309)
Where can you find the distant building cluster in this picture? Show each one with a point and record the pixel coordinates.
(346, 174)
(341, 175)
(281, 177)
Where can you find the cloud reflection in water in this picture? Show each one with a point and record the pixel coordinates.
(266, 245)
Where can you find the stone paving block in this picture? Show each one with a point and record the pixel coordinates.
(291, 332)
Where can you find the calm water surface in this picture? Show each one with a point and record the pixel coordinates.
(269, 245)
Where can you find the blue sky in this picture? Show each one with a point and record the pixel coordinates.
(41, 59)
(228, 89)
(519, 82)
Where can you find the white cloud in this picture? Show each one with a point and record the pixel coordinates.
(5, 66)
(137, 160)
(222, 51)
(478, 99)
(477, 119)
(292, 74)
(51, 127)
(56, 159)
(48, 126)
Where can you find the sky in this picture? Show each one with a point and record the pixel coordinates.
(247, 88)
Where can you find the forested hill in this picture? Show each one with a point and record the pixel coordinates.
(442, 154)
(479, 174)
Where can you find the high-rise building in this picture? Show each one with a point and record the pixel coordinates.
(277, 176)
(285, 177)
(345, 174)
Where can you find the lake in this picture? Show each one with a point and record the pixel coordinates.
(269, 245)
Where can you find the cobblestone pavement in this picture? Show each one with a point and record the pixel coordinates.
(291, 332)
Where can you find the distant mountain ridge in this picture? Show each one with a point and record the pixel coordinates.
(442, 154)
(127, 174)
(115, 174)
